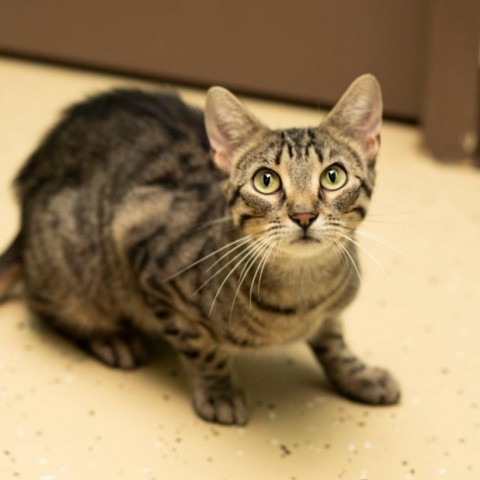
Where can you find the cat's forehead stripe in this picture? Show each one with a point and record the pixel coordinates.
(296, 139)
(283, 154)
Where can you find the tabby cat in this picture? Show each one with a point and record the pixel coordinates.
(143, 217)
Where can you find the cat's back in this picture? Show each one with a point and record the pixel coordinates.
(115, 136)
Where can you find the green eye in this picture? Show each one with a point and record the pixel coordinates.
(333, 178)
(266, 182)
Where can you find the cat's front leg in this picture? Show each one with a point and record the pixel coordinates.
(349, 374)
(215, 397)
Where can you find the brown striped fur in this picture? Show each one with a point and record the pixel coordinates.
(129, 228)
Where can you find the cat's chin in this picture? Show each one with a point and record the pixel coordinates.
(305, 247)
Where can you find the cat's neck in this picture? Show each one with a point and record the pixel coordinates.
(299, 268)
(285, 268)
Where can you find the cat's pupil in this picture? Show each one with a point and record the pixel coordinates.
(332, 175)
(267, 178)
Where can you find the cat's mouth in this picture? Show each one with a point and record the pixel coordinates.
(306, 239)
(304, 246)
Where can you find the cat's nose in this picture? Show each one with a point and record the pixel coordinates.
(304, 219)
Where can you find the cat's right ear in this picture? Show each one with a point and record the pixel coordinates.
(358, 114)
(229, 126)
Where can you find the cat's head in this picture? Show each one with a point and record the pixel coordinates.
(306, 186)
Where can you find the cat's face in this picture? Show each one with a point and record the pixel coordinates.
(299, 184)
(304, 188)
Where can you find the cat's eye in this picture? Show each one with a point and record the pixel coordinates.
(333, 178)
(266, 181)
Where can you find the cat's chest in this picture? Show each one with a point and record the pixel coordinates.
(292, 309)
(254, 328)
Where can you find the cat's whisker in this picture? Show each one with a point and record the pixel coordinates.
(352, 260)
(249, 246)
(217, 221)
(338, 251)
(370, 255)
(248, 265)
(225, 255)
(244, 257)
(261, 234)
(388, 222)
(261, 265)
(376, 238)
(391, 214)
(241, 241)
(385, 242)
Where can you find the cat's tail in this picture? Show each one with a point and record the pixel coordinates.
(11, 268)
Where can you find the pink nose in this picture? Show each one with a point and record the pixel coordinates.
(304, 219)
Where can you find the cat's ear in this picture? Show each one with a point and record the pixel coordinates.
(229, 126)
(358, 114)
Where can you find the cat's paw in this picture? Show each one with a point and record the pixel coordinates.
(373, 386)
(226, 406)
(119, 351)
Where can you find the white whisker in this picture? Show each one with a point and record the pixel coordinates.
(370, 255)
(248, 265)
(261, 265)
(241, 241)
(352, 260)
(385, 242)
(215, 222)
(246, 249)
(246, 255)
(338, 251)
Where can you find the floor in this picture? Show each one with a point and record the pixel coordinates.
(65, 416)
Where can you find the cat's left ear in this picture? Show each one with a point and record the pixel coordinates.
(229, 126)
(358, 114)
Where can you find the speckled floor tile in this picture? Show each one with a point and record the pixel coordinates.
(65, 416)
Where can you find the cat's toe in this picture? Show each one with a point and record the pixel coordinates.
(227, 408)
(373, 386)
(120, 351)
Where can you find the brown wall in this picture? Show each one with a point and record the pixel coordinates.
(451, 104)
(307, 50)
(424, 52)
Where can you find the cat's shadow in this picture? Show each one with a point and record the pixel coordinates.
(280, 383)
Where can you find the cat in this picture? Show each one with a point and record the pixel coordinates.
(143, 217)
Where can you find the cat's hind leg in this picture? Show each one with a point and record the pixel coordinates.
(124, 350)
(113, 340)
(348, 374)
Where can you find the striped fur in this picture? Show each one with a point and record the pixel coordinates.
(128, 230)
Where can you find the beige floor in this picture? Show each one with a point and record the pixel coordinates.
(65, 416)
